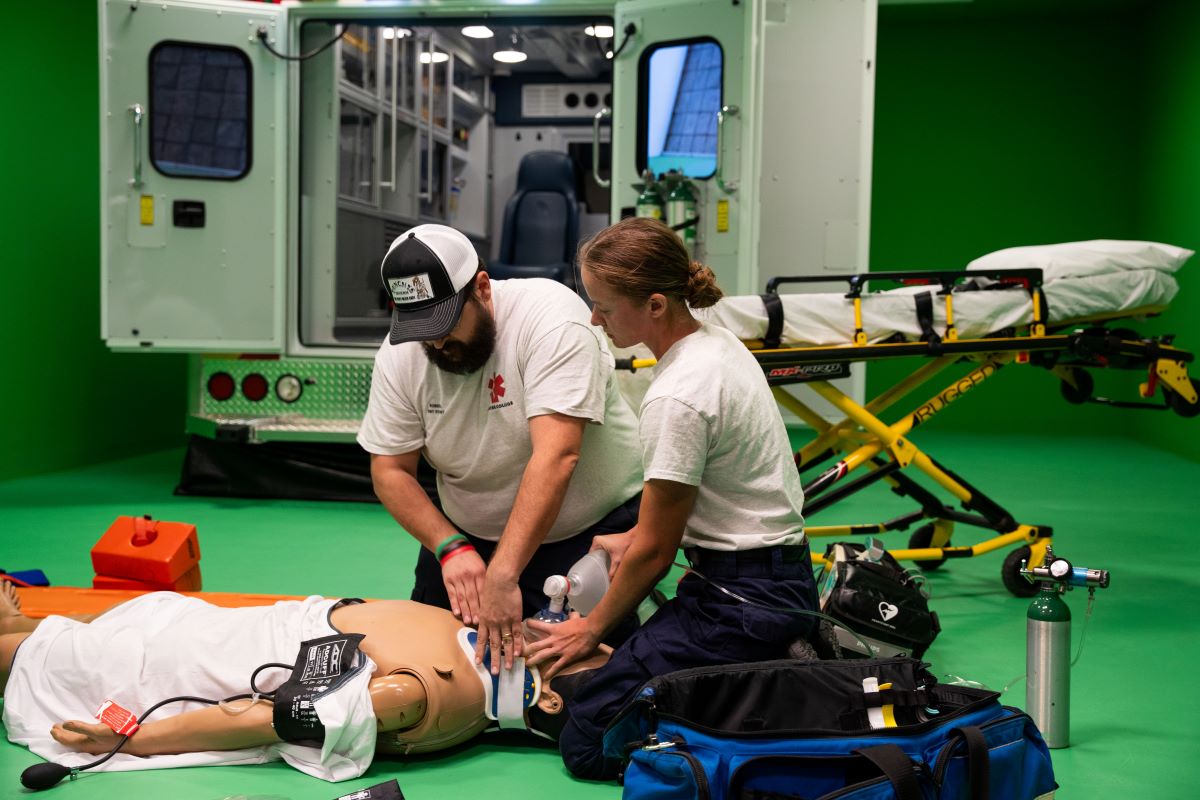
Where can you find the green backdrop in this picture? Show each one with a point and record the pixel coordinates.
(65, 400)
(998, 123)
(1008, 123)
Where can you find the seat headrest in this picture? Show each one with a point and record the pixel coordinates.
(547, 171)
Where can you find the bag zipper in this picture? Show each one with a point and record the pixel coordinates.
(702, 791)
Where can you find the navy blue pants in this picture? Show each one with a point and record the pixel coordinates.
(700, 626)
(549, 559)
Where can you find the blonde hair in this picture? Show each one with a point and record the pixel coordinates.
(640, 256)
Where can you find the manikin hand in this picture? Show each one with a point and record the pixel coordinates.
(615, 544)
(566, 642)
(87, 737)
(500, 622)
(463, 575)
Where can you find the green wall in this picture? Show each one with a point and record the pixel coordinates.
(1005, 124)
(1171, 180)
(65, 400)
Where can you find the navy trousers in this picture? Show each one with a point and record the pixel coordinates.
(700, 626)
(549, 559)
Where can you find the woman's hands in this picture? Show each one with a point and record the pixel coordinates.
(566, 642)
(616, 545)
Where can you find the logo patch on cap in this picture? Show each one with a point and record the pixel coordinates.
(410, 289)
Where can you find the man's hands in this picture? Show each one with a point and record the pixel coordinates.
(499, 621)
(565, 643)
(86, 737)
(464, 578)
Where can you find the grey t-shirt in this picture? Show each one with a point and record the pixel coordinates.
(709, 420)
(474, 428)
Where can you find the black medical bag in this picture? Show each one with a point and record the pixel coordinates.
(871, 594)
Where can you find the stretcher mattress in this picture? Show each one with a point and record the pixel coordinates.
(1081, 281)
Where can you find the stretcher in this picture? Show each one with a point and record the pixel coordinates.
(1052, 307)
(38, 602)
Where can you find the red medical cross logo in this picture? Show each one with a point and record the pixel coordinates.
(496, 384)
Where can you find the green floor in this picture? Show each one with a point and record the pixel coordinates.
(1115, 504)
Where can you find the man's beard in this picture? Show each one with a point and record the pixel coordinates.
(463, 358)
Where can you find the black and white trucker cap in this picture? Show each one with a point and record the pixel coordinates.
(426, 272)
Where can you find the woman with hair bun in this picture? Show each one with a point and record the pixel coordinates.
(719, 480)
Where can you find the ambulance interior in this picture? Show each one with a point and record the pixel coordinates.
(430, 123)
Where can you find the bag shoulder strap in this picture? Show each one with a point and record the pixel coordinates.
(978, 763)
(897, 766)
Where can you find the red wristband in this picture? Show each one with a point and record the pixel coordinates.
(465, 547)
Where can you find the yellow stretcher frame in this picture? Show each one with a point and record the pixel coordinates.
(883, 450)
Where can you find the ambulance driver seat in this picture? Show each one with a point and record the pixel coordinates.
(541, 221)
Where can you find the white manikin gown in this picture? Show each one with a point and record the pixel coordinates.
(161, 645)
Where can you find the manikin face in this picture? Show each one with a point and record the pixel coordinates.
(469, 345)
(624, 319)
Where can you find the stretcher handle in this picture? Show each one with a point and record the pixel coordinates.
(946, 278)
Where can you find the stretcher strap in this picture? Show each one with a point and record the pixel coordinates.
(924, 303)
(774, 306)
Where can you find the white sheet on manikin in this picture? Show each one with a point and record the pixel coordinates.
(161, 645)
(827, 318)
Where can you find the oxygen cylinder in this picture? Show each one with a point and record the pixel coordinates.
(650, 201)
(1048, 665)
(681, 207)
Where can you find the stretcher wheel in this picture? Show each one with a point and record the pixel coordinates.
(1179, 405)
(1010, 573)
(1081, 392)
(923, 537)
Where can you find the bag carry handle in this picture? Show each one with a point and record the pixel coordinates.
(897, 766)
(978, 763)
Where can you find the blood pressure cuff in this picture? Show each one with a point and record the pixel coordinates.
(322, 666)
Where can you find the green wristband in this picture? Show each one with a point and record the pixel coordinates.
(449, 540)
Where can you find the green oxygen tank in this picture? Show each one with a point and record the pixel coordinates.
(650, 201)
(681, 208)
(1048, 665)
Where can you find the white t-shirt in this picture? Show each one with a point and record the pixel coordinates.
(709, 420)
(474, 428)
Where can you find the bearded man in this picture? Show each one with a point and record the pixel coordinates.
(509, 393)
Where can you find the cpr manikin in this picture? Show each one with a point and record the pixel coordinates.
(415, 689)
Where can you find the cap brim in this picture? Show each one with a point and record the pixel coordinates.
(429, 323)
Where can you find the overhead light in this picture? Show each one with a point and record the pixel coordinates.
(478, 32)
(436, 57)
(396, 33)
(512, 55)
(599, 31)
(608, 54)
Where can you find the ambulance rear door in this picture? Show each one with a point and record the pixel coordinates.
(678, 66)
(193, 178)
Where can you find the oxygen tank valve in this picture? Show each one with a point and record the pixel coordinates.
(1048, 644)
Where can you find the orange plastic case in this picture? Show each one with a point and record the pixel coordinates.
(147, 550)
(187, 582)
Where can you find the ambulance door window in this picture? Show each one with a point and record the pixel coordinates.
(200, 111)
(356, 153)
(680, 97)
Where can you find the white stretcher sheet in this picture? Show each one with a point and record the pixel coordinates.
(1121, 284)
(163, 644)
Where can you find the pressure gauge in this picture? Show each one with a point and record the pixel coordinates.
(1060, 568)
(288, 388)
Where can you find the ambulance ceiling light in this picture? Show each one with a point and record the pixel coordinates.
(478, 32)
(599, 31)
(436, 57)
(397, 33)
(512, 55)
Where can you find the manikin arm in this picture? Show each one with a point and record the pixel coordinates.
(399, 702)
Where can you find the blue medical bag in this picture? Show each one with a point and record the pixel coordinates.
(873, 729)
